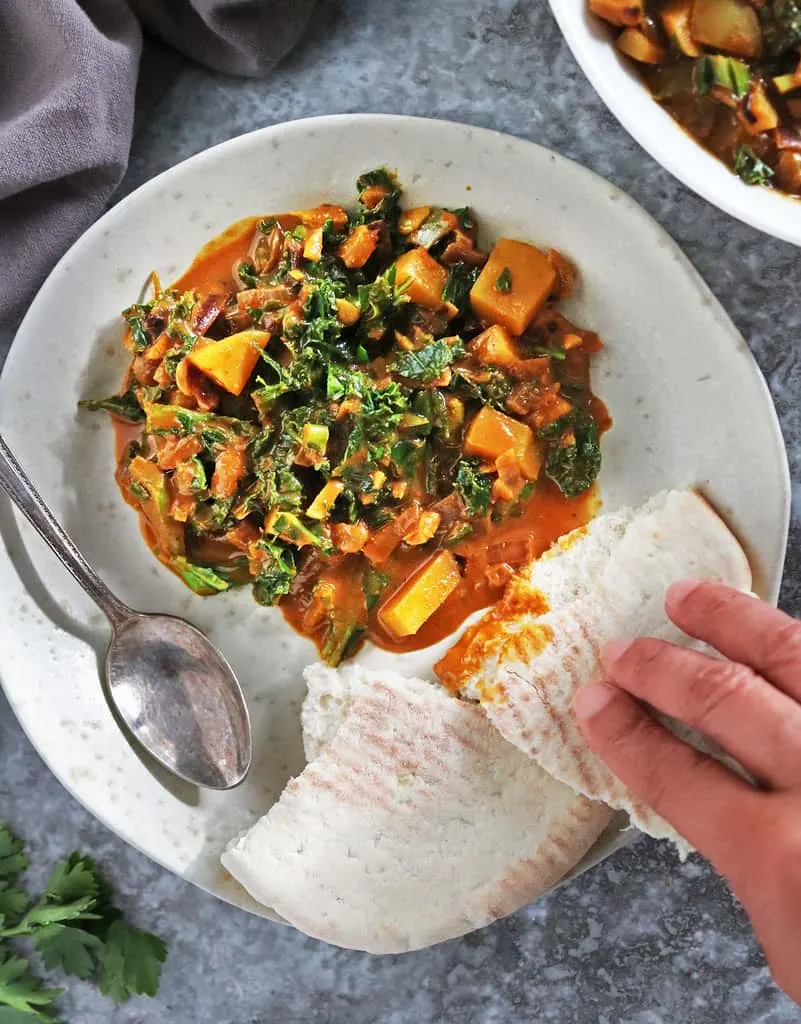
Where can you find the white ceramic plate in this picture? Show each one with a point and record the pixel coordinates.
(689, 406)
(617, 83)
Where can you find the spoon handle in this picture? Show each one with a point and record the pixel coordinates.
(15, 482)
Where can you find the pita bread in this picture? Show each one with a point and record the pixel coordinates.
(416, 822)
(525, 660)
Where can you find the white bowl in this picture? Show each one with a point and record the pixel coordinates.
(617, 83)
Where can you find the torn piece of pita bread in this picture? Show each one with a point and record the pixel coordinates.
(416, 822)
(525, 660)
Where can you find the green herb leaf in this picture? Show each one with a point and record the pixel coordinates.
(131, 962)
(20, 991)
(467, 218)
(750, 168)
(388, 209)
(69, 948)
(474, 487)
(134, 316)
(715, 69)
(43, 914)
(277, 572)
(75, 892)
(199, 578)
(248, 275)
(574, 461)
(13, 859)
(72, 879)
(379, 303)
(374, 583)
(125, 407)
(493, 389)
(375, 424)
(461, 279)
(13, 903)
(340, 640)
(504, 281)
(428, 362)
(380, 176)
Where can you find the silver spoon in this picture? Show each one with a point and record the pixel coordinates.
(171, 687)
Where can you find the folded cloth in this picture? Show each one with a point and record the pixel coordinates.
(68, 71)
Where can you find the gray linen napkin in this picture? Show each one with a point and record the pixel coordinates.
(68, 71)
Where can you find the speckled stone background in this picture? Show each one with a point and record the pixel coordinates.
(640, 940)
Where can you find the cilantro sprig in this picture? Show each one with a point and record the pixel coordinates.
(74, 927)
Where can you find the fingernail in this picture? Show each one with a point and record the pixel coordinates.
(592, 699)
(681, 590)
(612, 652)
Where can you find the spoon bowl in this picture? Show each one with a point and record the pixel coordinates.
(178, 695)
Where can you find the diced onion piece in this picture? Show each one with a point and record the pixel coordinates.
(316, 217)
(427, 526)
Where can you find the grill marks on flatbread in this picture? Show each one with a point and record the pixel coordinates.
(608, 579)
(416, 822)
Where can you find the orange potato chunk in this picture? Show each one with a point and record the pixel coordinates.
(731, 26)
(532, 280)
(491, 434)
(496, 347)
(417, 600)
(426, 277)
(231, 361)
(358, 247)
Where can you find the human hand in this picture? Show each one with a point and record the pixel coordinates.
(751, 705)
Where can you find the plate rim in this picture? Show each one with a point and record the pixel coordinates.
(670, 144)
(95, 231)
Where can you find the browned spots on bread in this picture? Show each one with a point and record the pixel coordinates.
(506, 633)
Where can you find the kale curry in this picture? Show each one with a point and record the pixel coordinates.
(362, 415)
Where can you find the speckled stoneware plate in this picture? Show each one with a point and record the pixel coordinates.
(616, 81)
(689, 406)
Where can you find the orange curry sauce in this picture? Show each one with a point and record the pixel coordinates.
(488, 555)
